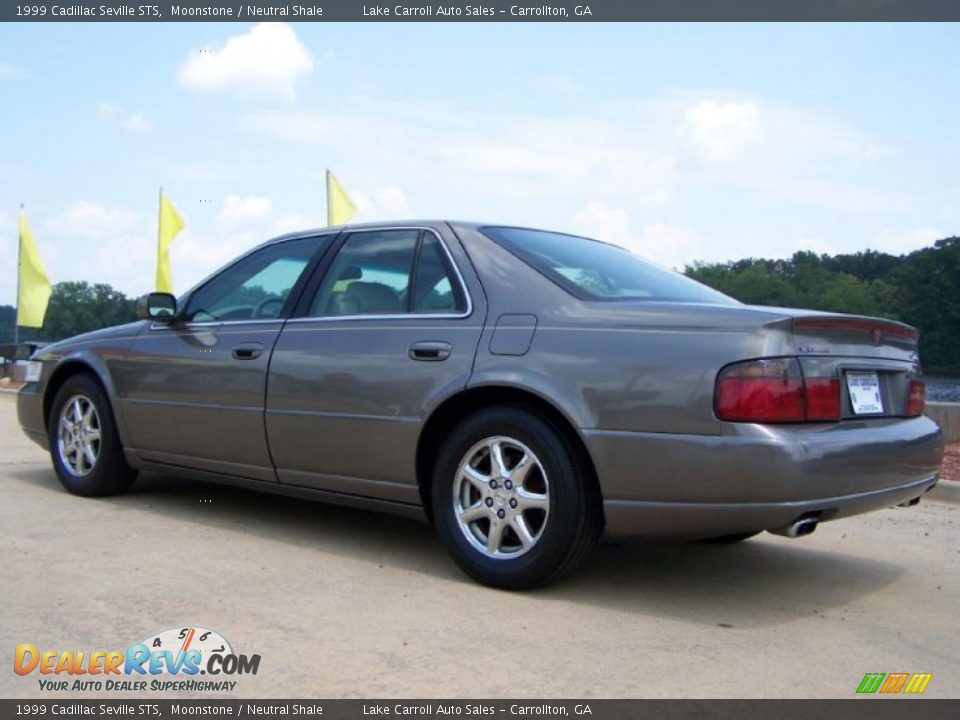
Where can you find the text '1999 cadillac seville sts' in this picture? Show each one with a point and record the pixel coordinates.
(523, 390)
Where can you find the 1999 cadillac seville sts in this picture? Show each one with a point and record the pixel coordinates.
(521, 389)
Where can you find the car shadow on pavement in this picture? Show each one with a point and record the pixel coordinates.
(764, 581)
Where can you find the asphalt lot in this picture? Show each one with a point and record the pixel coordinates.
(347, 603)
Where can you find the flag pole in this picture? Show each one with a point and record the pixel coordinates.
(159, 230)
(16, 315)
(329, 217)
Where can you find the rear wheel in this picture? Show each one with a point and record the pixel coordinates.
(84, 445)
(514, 505)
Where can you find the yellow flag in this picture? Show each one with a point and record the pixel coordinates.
(34, 285)
(340, 207)
(171, 223)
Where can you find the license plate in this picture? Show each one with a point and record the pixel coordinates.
(864, 390)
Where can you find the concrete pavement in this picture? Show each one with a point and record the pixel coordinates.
(341, 602)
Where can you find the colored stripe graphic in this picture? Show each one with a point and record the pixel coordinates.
(870, 683)
(893, 683)
(918, 683)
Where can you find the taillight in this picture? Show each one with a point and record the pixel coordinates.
(823, 398)
(775, 391)
(917, 398)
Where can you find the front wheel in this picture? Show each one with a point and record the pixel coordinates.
(84, 445)
(512, 502)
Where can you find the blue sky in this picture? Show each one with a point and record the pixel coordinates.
(682, 142)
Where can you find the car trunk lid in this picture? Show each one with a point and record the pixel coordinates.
(874, 359)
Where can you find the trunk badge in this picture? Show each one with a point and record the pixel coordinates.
(876, 335)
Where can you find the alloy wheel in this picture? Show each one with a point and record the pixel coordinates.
(501, 497)
(79, 435)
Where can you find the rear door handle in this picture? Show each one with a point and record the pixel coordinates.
(430, 351)
(247, 351)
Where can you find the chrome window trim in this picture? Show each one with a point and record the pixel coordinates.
(155, 325)
(289, 237)
(331, 318)
(401, 316)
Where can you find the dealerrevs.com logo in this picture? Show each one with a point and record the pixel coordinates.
(169, 661)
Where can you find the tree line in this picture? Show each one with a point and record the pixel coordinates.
(921, 289)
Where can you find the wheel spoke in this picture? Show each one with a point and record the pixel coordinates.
(93, 435)
(475, 478)
(88, 415)
(89, 454)
(498, 468)
(522, 530)
(473, 513)
(495, 536)
(64, 423)
(518, 476)
(527, 500)
(76, 411)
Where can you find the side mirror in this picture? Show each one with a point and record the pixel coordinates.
(158, 306)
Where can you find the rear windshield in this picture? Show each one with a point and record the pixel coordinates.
(593, 270)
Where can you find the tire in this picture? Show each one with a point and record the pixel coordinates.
(86, 413)
(730, 539)
(556, 498)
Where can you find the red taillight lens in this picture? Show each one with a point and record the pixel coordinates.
(775, 391)
(823, 399)
(917, 398)
(761, 391)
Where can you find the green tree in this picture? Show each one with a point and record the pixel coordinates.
(78, 307)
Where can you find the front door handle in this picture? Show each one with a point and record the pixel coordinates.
(247, 351)
(430, 351)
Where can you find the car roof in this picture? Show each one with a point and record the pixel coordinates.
(382, 224)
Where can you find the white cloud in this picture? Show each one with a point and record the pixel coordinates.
(108, 111)
(669, 244)
(666, 243)
(386, 203)
(832, 194)
(296, 221)
(600, 222)
(8, 71)
(137, 121)
(719, 129)
(111, 112)
(91, 220)
(906, 242)
(267, 60)
(243, 211)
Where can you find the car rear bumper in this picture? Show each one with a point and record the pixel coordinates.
(755, 477)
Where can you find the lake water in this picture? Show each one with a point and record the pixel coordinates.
(943, 389)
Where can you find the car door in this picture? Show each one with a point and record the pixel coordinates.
(384, 332)
(192, 391)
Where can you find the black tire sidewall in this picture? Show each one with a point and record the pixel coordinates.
(554, 547)
(111, 473)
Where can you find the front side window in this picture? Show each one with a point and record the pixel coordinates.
(255, 287)
(388, 272)
(594, 270)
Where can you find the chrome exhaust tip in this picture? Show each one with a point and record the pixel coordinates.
(798, 528)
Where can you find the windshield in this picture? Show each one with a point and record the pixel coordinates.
(595, 270)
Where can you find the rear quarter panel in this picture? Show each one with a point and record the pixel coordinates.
(640, 366)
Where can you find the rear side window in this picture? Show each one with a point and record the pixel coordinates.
(593, 270)
(389, 272)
